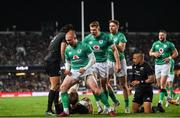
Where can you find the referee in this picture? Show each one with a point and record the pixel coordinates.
(142, 78)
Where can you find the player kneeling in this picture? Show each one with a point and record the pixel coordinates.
(142, 78)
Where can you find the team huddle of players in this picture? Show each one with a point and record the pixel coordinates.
(100, 56)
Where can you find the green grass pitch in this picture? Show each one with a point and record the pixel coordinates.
(36, 106)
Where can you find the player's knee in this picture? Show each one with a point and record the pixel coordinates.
(149, 110)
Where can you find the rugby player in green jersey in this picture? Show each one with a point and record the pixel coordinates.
(79, 59)
(163, 51)
(99, 43)
(120, 40)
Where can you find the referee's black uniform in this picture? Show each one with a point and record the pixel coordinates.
(143, 91)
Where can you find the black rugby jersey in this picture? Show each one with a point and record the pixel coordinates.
(55, 46)
(141, 73)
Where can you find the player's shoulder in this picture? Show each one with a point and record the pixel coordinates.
(104, 34)
(157, 42)
(60, 35)
(68, 47)
(82, 45)
(169, 42)
(121, 34)
(147, 65)
(88, 37)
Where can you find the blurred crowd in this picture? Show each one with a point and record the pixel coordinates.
(33, 83)
(30, 48)
(22, 48)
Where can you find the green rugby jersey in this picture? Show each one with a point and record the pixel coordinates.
(165, 49)
(171, 61)
(78, 55)
(116, 39)
(99, 45)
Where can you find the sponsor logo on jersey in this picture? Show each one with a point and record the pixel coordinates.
(165, 46)
(141, 68)
(115, 39)
(96, 47)
(79, 50)
(157, 46)
(100, 41)
(137, 72)
(90, 42)
(75, 57)
(70, 53)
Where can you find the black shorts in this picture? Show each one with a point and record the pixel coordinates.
(52, 68)
(142, 96)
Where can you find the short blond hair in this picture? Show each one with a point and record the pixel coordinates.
(114, 21)
(94, 24)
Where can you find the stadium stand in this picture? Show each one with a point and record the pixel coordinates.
(30, 48)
